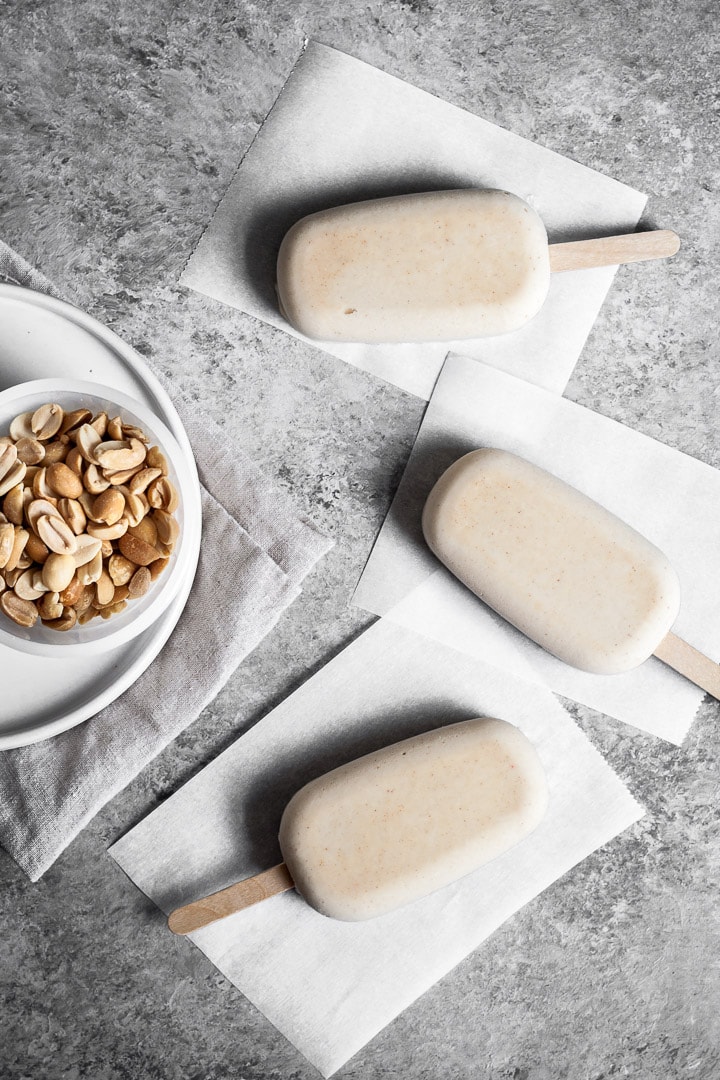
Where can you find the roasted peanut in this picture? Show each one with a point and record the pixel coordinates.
(56, 534)
(139, 583)
(115, 456)
(22, 612)
(25, 586)
(87, 440)
(167, 527)
(162, 495)
(135, 508)
(156, 460)
(122, 476)
(108, 507)
(14, 475)
(74, 419)
(74, 461)
(58, 571)
(7, 539)
(40, 486)
(40, 508)
(90, 572)
(137, 550)
(46, 421)
(14, 505)
(142, 478)
(55, 451)
(156, 568)
(66, 621)
(100, 423)
(73, 514)
(146, 530)
(94, 480)
(20, 427)
(86, 598)
(108, 532)
(49, 607)
(71, 594)
(31, 451)
(104, 590)
(87, 547)
(114, 429)
(36, 550)
(63, 481)
(19, 541)
(120, 569)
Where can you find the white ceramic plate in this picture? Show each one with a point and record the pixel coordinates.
(41, 337)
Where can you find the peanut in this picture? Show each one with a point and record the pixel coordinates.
(20, 427)
(120, 569)
(7, 540)
(46, 421)
(22, 612)
(139, 583)
(14, 475)
(56, 534)
(71, 594)
(49, 607)
(108, 506)
(74, 419)
(14, 505)
(31, 451)
(137, 550)
(58, 571)
(66, 621)
(63, 481)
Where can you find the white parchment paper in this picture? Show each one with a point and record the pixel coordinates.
(330, 986)
(342, 131)
(671, 498)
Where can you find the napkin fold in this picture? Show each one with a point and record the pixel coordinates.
(255, 552)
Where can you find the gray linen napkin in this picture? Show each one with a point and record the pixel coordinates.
(255, 552)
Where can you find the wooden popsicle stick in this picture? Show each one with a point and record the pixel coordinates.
(613, 250)
(691, 663)
(235, 898)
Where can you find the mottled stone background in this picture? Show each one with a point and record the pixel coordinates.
(122, 124)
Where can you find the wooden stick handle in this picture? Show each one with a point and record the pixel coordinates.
(613, 250)
(691, 663)
(236, 897)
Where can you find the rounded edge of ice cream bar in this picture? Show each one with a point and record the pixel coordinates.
(626, 655)
(311, 320)
(521, 819)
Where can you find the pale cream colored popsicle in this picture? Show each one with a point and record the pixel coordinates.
(561, 568)
(398, 824)
(435, 266)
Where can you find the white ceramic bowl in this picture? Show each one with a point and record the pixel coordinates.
(100, 634)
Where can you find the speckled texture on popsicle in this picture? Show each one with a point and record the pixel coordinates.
(122, 124)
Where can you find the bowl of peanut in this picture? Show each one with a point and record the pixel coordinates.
(99, 517)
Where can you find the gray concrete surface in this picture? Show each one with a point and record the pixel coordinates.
(122, 124)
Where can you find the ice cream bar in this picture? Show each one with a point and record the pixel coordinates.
(434, 266)
(562, 569)
(398, 824)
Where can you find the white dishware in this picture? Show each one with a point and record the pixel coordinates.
(46, 338)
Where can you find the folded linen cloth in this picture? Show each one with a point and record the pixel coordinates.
(256, 550)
